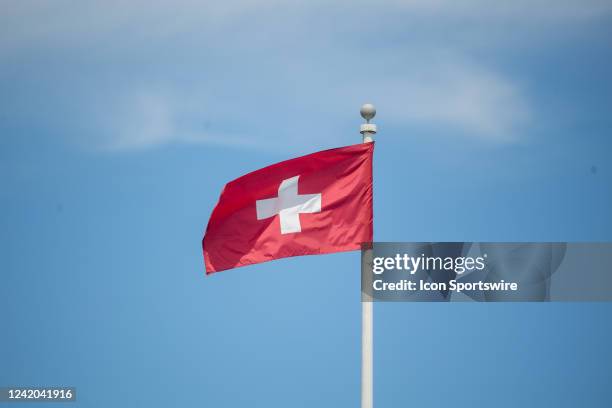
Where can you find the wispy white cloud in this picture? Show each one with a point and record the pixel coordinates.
(147, 73)
(541, 10)
(450, 92)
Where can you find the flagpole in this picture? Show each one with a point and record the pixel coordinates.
(368, 130)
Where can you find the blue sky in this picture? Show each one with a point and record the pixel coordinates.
(120, 124)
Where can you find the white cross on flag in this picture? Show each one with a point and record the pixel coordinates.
(315, 204)
(288, 205)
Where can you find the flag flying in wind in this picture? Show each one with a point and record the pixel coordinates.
(314, 204)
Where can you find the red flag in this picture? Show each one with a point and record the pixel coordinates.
(314, 204)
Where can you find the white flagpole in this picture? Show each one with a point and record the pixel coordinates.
(368, 130)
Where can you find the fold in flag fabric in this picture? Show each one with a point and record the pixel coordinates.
(315, 204)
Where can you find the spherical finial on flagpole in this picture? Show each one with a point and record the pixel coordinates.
(368, 130)
(368, 111)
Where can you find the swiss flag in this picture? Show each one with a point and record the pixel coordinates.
(314, 204)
